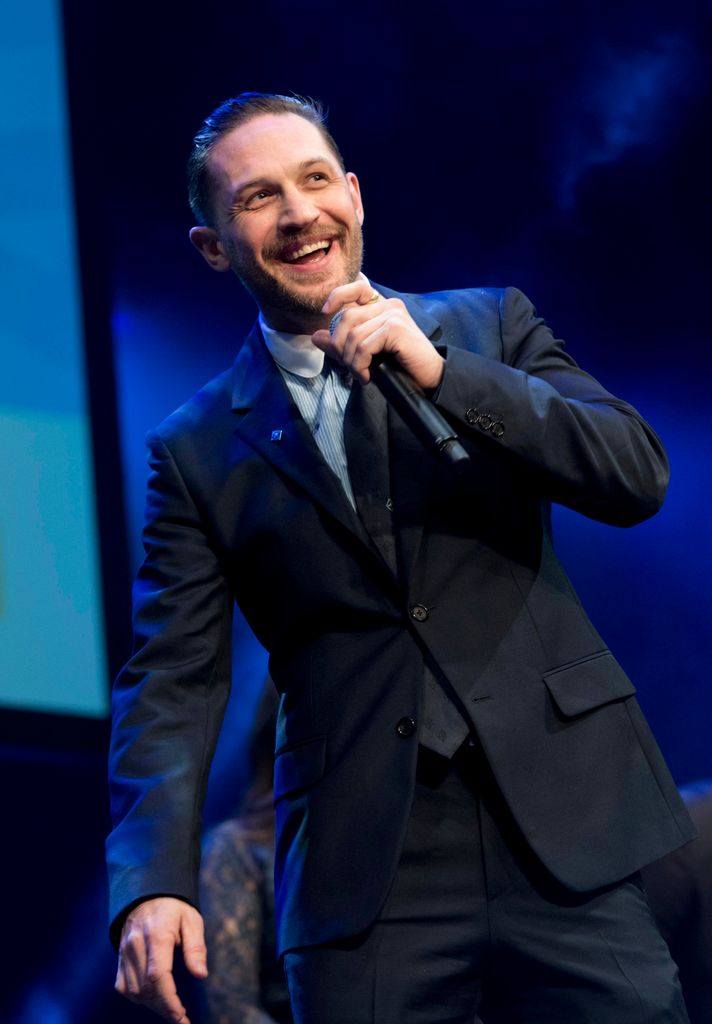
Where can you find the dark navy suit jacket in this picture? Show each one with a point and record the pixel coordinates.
(242, 506)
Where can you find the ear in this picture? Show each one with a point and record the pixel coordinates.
(208, 244)
(355, 190)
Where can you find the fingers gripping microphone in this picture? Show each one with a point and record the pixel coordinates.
(413, 406)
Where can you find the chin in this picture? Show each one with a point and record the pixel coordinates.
(298, 300)
(309, 295)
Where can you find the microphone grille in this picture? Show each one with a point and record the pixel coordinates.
(335, 320)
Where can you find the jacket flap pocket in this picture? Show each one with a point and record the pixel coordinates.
(299, 767)
(588, 683)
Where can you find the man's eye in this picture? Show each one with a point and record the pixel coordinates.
(257, 198)
(319, 177)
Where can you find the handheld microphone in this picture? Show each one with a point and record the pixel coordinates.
(413, 406)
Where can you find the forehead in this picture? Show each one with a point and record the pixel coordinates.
(269, 145)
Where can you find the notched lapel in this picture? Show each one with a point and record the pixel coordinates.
(262, 405)
(269, 421)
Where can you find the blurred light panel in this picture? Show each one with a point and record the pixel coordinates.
(52, 654)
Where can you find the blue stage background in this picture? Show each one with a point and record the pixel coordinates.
(560, 147)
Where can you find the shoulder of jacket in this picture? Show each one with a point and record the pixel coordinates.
(458, 301)
(203, 409)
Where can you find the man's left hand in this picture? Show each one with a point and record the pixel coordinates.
(370, 324)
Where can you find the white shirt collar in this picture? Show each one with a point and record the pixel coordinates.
(296, 353)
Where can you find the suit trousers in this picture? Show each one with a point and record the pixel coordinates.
(474, 925)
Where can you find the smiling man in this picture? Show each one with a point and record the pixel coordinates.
(287, 219)
(465, 787)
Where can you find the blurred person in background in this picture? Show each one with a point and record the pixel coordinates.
(246, 981)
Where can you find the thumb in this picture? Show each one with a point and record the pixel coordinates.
(322, 339)
(193, 945)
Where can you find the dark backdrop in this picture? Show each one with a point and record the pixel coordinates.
(560, 147)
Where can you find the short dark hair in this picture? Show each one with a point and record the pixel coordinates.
(230, 114)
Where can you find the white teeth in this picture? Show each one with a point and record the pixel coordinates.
(312, 247)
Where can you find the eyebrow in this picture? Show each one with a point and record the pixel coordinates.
(265, 180)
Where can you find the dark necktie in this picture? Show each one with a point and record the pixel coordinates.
(366, 440)
(443, 728)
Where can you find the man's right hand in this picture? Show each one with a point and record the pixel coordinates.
(150, 934)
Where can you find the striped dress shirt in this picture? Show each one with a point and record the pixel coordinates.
(321, 392)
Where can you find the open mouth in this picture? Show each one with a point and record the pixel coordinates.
(307, 253)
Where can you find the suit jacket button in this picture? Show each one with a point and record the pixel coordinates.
(497, 428)
(486, 421)
(472, 416)
(419, 612)
(405, 727)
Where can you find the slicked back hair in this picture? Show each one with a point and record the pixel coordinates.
(229, 115)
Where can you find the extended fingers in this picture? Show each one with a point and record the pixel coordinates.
(193, 943)
(133, 957)
(145, 975)
(159, 990)
(150, 935)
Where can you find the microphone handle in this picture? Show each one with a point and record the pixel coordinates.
(417, 412)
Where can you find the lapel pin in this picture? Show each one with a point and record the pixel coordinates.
(276, 435)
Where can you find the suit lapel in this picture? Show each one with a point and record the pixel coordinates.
(269, 421)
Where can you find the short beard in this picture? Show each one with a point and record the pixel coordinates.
(271, 293)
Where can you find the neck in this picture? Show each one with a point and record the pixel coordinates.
(294, 321)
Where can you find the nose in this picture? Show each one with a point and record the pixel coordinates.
(297, 211)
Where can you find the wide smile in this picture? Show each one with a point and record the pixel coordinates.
(308, 257)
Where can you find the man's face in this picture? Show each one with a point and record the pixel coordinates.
(287, 218)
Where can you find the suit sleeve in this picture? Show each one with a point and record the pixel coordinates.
(580, 445)
(169, 700)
